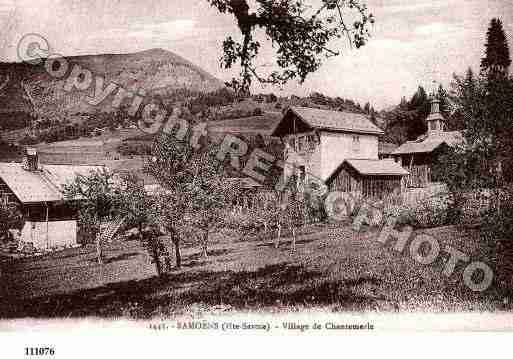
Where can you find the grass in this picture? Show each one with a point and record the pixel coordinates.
(333, 269)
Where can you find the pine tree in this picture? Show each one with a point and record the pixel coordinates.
(497, 59)
(404, 103)
(367, 107)
(420, 107)
(443, 97)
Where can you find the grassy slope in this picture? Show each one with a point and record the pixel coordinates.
(333, 268)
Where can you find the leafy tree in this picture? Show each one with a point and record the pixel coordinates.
(174, 165)
(300, 33)
(210, 194)
(420, 106)
(294, 212)
(485, 161)
(408, 120)
(466, 97)
(138, 207)
(483, 165)
(170, 208)
(397, 124)
(497, 58)
(265, 215)
(94, 195)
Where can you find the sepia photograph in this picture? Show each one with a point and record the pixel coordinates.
(273, 167)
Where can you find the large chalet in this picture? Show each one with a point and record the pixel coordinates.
(338, 148)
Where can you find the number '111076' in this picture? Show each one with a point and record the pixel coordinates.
(39, 351)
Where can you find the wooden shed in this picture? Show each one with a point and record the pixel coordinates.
(371, 178)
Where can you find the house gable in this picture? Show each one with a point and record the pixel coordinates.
(291, 124)
(328, 120)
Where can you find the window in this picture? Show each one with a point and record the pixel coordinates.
(299, 140)
(302, 173)
(292, 143)
(311, 142)
(300, 178)
(356, 143)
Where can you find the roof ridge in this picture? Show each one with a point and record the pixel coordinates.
(363, 159)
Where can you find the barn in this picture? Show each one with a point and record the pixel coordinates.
(371, 178)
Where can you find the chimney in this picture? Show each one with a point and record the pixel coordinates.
(31, 159)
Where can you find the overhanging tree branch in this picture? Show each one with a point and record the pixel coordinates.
(300, 38)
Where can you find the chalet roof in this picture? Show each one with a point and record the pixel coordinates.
(263, 124)
(373, 167)
(330, 120)
(40, 186)
(430, 143)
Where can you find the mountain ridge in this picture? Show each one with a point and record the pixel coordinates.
(158, 72)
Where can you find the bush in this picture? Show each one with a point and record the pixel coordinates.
(498, 217)
(257, 111)
(244, 222)
(431, 212)
(271, 98)
(402, 214)
(14, 120)
(472, 208)
(28, 141)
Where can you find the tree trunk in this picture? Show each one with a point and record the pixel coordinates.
(176, 242)
(99, 252)
(140, 227)
(205, 244)
(293, 239)
(156, 258)
(167, 261)
(277, 241)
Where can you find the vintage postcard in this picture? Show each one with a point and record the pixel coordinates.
(263, 167)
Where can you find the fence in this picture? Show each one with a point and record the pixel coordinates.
(420, 176)
(411, 197)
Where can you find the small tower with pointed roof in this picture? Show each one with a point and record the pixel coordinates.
(435, 120)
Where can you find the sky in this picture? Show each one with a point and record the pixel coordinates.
(414, 42)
